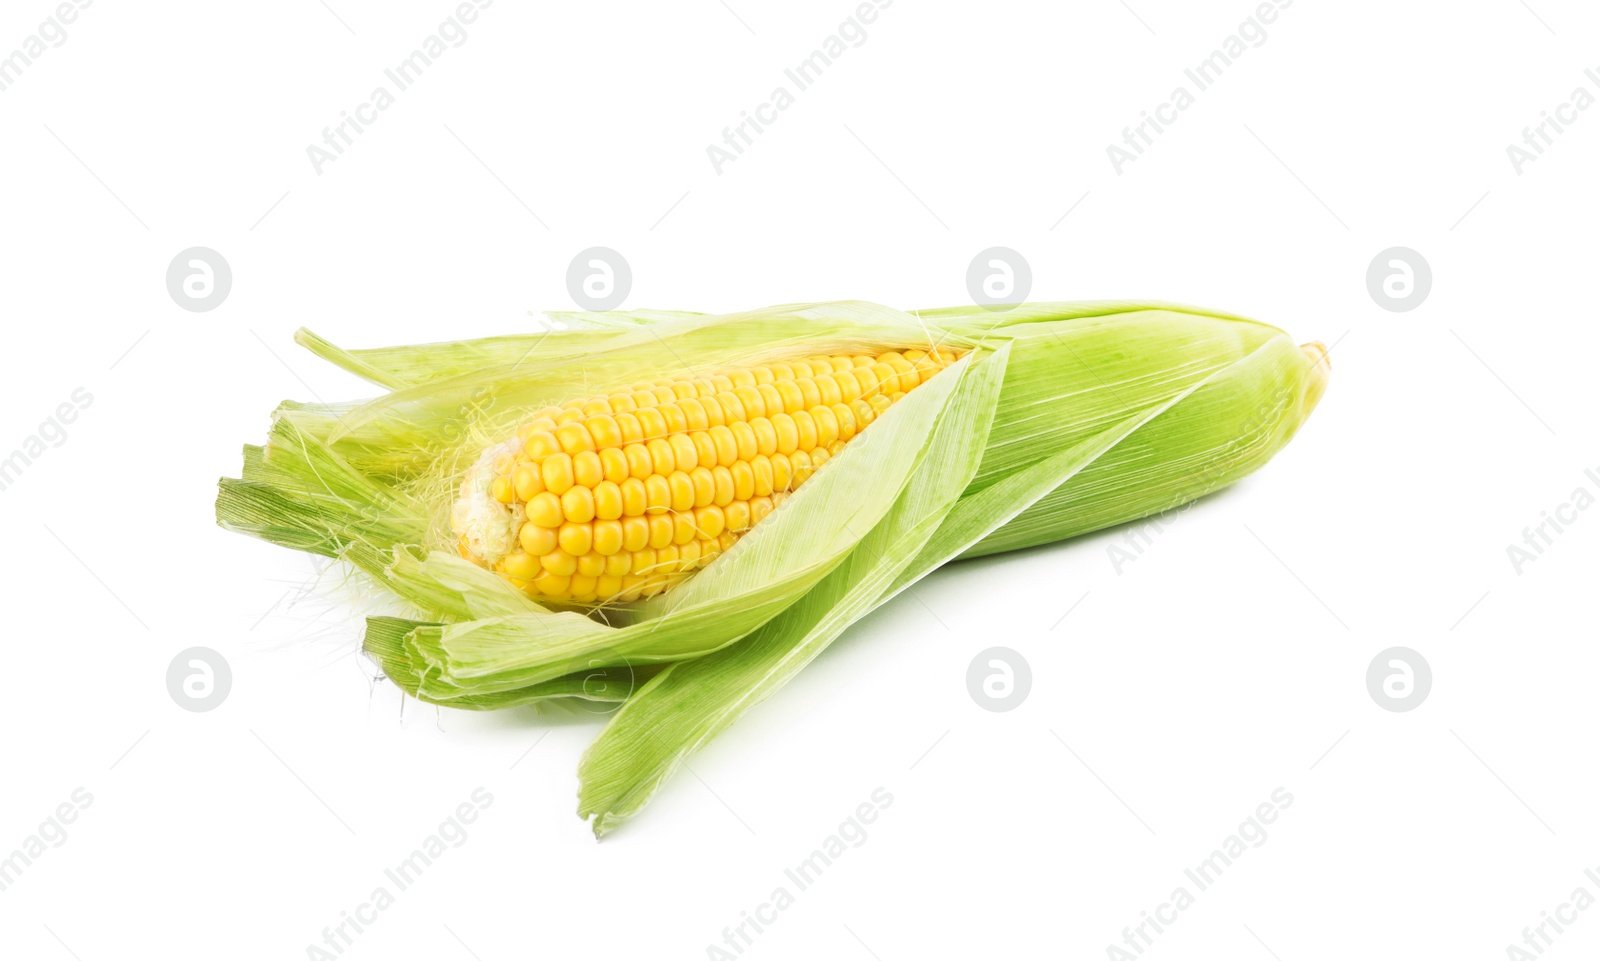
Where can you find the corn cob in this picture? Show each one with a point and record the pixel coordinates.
(1023, 427)
(622, 495)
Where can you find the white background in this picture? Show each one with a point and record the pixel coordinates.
(1227, 661)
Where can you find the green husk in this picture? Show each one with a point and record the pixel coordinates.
(1064, 418)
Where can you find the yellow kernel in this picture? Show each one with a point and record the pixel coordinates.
(750, 399)
(604, 431)
(660, 530)
(645, 398)
(635, 534)
(766, 435)
(827, 425)
(619, 564)
(614, 465)
(586, 469)
(607, 587)
(741, 378)
(694, 415)
(569, 415)
(502, 490)
(828, 389)
(885, 375)
(607, 537)
(722, 483)
(683, 389)
(745, 437)
(801, 461)
(682, 528)
(907, 378)
(673, 415)
(552, 585)
(682, 490)
(732, 409)
(708, 551)
(628, 425)
(689, 555)
(640, 464)
(819, 457)
(781, 371)
(582, 587)
(664, 394)
(634, 498)
(738, 516)
(761, 469)
(667, 559)
(881, 403)
(721, 382)
(657, 493)
(574, 437)
(710, 521)
(727, 445)
(786, 434)
(545, 510)
(661, 457)
(557, 472)
(521, 565)
(526, 482)
(576, 538)
(607, 501)
(809, 392)
(744, 481)
(705, 486)
(793, 399)
(577, 505)
(849, 387)
(643, 562)
(726, 541)
(684, 454)
(559, 563)
(705, 448)
(536, 540)
(846, 420)
(592, 564)
(621, 403)
(867, 379)
(782, 472)
(805, 430)
(760, 507)
(541, 444)
(651, 422)
(713, 411)
(771, 400)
